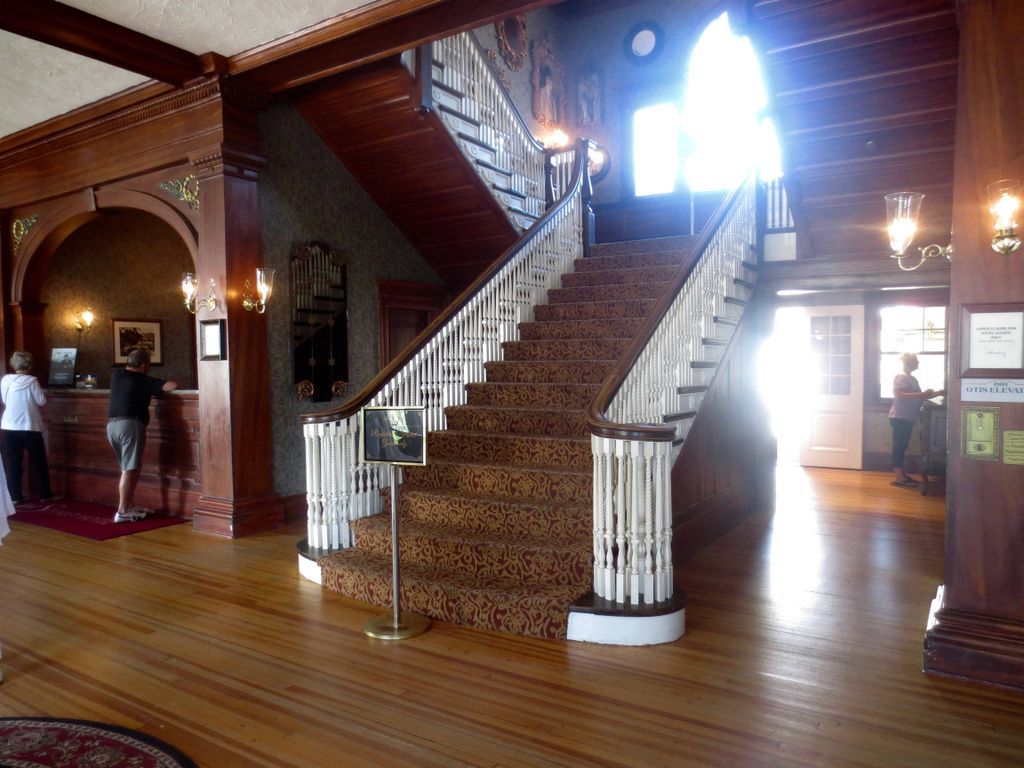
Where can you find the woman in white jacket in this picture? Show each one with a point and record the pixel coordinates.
(22, 427)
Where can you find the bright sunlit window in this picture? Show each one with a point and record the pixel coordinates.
(921, 330)
(724, 112)
(655, 160)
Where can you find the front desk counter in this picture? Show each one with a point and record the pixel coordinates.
(82, 464)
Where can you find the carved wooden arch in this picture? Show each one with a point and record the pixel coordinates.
(54, 228)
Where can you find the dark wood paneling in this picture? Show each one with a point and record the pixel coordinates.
(641, 218)
(717, 477)
(864, 92)
(410, 165)
(82, 463)
(161, 132)
(980, 625)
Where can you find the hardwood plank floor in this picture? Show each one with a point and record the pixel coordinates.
(803, 648)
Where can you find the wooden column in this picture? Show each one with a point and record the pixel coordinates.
(234, 394)
(978, 629)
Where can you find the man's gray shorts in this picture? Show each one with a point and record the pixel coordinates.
(127, 437)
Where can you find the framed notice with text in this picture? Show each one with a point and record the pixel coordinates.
(392, 435)
(992, 340)
(211, 340)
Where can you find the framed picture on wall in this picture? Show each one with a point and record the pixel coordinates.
(132, 334)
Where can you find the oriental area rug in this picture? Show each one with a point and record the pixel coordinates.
(43, 742)
(83, 518)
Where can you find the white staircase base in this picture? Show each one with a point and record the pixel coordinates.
(310, 570)
(626, 630)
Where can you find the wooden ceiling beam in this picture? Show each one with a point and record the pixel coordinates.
(62, 26)
(366, 35)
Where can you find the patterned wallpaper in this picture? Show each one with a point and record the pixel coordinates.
(125, 264)
(306, 194)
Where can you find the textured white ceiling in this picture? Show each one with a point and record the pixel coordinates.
(226, 27)
(39, 82)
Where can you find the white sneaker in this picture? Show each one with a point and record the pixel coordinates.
(131, 516)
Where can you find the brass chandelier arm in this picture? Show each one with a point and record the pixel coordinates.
(927, 252)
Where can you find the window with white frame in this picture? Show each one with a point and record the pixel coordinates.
(917, 329)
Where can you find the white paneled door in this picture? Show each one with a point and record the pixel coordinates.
(833, 435)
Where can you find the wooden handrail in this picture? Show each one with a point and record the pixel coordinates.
(598, 423)
(349, 408)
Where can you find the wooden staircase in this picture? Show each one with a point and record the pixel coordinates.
(496, 529)
(425, 160)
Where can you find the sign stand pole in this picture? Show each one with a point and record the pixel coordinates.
(396, 626)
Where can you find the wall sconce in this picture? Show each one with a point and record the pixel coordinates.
(83, 322)
(189, 289)
(264, 287)
(902, 209)
(556, 139)
(1003, 202)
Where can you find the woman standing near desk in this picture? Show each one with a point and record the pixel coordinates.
(906, 405)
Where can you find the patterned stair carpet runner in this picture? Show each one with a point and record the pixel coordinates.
(496, 530)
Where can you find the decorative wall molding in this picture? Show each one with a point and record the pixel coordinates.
(511, 34)
(185, 189)
(20, 228)
(118, 120)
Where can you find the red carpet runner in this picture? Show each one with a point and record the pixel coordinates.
(83, 518)
(496, 529)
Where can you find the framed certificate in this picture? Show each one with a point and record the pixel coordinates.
(992, 340)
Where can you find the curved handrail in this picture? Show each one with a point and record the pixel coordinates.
(597, 422)
(349, 408)
(537, 145)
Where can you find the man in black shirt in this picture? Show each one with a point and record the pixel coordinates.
(128, 416)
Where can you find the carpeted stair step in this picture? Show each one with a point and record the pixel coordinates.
(527, 421)
(504, 480)
(502, 604)
(594, 310)
(549, 372)
(629, 261)
(674, 243)
(606, 293)
(569, 396)
(488, 514)
(531, 559)
(619, 276)
(624, 328)
(564, 349)
(520, 450)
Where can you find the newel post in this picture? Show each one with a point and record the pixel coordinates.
(425, 78)
(587, 193)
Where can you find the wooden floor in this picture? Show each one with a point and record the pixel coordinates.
(804, 648)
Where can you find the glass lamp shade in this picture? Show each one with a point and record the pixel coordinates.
(1003, 203)
(188, 286)
(264, 283)
(902, 210)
